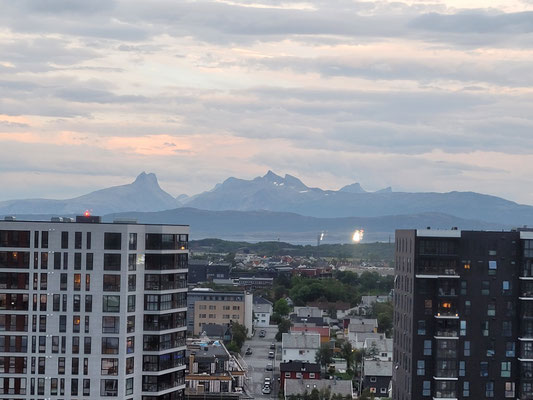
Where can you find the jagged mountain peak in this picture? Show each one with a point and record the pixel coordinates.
(271, 176)
(353, 188)
(146, 179)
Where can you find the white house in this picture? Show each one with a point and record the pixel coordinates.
(262, 312)
(300, 346)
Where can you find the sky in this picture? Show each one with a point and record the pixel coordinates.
(432, 95)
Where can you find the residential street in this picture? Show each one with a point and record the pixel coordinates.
(258, 361)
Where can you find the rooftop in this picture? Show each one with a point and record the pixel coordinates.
(299, 366)
(300, 340)
(377, 368)
(300, 386)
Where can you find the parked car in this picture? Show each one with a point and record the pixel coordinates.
(262, 333)
(270, 354)
(269, 367)
(266, 389)
(267, 381)
(248, 351)
(272, 346)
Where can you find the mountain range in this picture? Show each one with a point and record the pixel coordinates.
(272, 206)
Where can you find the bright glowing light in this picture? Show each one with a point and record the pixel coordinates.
(358, 235)
(87, 213)
(322, 236)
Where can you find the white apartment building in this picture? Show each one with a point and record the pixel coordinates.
(92, 310)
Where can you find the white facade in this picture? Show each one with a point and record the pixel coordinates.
(300, 346)
(262, 312)
(93, 310)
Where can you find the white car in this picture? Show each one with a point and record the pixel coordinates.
(267, 381)
(266, 389)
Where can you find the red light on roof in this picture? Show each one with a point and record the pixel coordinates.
(86, 213)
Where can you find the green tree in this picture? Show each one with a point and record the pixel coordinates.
(283, 327)
(232, 347)
(282, 307)
(324, 355)
(238, 334)
(315, 394)
(347, 353)
(366, 395)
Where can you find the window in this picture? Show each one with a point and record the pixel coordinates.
(466, 351)
(75, 366)
(77, 261)
(129, 386)
(132, 242)
(462, 368)
(132, 283)
(112, 262)
(75, 344)
(131, 324)
(77, 303)
(77, 240)
(76, 324)
(109, 345)
(466, 389)
(86, 387)
(63, 282)
(420, 367)
(110, 324)
(490, 349)
(111, 283)
(61, 365)
(87, 345)
(89, 261)
(510, 349)
(421, 327)
(89, 240)
(485, 328)
(112, 241)
(57, 260)
(507, 328)
(77, 282)
(485, 288)
(509, 390)
(426, 388)
(493, 266)
(427, 347)
(506, 288)
(86, 324)
(506, 369)
(130, 363)
(484, 369)
(109, 366)
(489, 389)
(463, 288)
(131, 303)
(111, 303)
(130, 344)
(62, 323)
(87, 282)
(462, 326)
(64, 240)
(132, 262)
(88, 303)
(109, 387)
(491, 309)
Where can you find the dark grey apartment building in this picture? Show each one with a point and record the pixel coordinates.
(463, 319)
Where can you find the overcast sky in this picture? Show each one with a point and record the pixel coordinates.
(432, 95)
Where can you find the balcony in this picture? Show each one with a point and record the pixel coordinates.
(436, 273)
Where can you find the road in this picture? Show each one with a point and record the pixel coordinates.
(259, 359)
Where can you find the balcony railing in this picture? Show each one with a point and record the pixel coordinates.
(447, 333)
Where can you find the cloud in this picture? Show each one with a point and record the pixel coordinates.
(409, 94)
